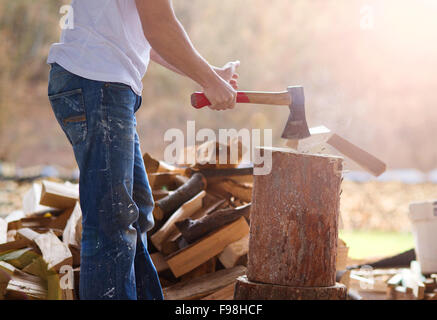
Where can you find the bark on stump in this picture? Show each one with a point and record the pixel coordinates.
(247, 290)
(294, 221)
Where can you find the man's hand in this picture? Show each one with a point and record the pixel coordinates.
(221, 95)
(228, 73)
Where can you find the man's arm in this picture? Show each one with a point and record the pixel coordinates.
(227, 72)
(167, 36)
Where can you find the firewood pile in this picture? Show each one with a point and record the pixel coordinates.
(40, 245)
(199, 242)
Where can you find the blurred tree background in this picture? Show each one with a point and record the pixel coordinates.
(368, 68)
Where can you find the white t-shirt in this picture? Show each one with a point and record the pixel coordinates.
(106, 43)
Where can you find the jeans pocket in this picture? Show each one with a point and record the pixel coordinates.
(69, 109)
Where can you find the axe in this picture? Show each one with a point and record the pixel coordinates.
(296, 127)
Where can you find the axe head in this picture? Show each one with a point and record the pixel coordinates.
(296, 127)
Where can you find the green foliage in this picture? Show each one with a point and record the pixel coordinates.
(370, 244)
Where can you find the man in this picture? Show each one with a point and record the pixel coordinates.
(95, 89)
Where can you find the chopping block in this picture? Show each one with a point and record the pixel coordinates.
(294, 229)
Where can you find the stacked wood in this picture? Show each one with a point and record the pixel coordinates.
(199, 243)
(41, 248)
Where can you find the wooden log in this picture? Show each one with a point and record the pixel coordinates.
(169, 228)
(204, 285)
(208, 154)
(24, 286)
(58, 195)
(430, 285)
(240, 175)
(247, 290)
(159, 194)
(54, 251)
(153, 166)
(71, 234)
(14, 245)
(324, 141)
(294, 220)
(194, 230)
(230, 188)
(189, 258)
(167, 180)
(159, 262)
(207, 267)
(226, 293)
(27, 234)
(168, 205)
(235, 253)
(400, 293)
(20, 258)
(75, 252)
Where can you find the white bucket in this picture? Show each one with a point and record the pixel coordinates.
(423, 216)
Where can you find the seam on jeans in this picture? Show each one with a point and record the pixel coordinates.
(108, 172)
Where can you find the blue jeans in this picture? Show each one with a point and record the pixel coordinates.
(98, 119)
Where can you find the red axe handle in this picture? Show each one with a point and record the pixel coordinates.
(199, 100)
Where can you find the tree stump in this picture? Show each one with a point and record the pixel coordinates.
(294, 221)
(247, 290)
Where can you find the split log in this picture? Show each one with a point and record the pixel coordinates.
(226, 293)
(235, 253)
(75, 252)
(13, 245)
(20, 258)
(247, 290)
(194, 255)
(159, 194)
(71, 234)
(400, 293)
(159, 262)
(294, 220)
(24, 286)
(207, 267)
(168, 205)
(208, 154)
(27, 235)
(240, 175)
(230, 188)
(167, 180)
(54, 251)
(204, 285)
(31, 200)
(194, 230)
(324, 141)
(153, 166)
(58, 195)
(169, 228)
